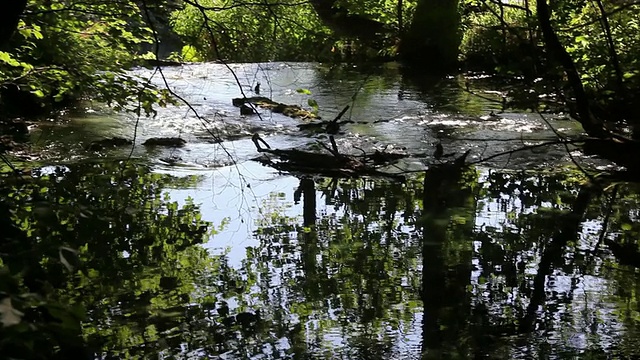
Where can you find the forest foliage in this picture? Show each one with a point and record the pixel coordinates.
(65, 51)
(68, 51)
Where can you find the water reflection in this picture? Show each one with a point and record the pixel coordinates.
(454, 264)
(115, 260)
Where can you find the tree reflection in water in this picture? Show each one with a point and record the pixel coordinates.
(454, 264)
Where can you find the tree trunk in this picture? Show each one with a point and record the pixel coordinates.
(445, 281)
(343, 23)
(594, 127)
(434, 36)
(9, 17)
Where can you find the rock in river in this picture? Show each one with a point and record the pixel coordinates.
(108, 143)
(165, 141)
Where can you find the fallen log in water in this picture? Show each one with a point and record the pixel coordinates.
(293, 111)
(332, 164)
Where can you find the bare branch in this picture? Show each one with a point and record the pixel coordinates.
(608, 14)
(241, 4)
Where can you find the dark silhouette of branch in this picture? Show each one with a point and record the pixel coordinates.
(508, 5)
(591, 125)
(605, 223)
(566, 231)
(612, 12)
(520, 149)
(242, 4)
(505, 25)
(159, 69)
(611, 46)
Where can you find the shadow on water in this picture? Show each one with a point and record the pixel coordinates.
(107, 259)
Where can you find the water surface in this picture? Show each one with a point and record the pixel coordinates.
(217, 256)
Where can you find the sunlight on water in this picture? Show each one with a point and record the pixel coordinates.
(571, 296)
(477, 264)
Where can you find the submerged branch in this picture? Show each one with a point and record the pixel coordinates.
(332, 164)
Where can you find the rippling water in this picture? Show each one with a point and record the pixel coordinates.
(388, 111)
(351, 269)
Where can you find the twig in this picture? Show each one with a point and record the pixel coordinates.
(364, 153)
(8, 163)
(566, 146)
(341, 113)
(511, 152)
(331, 151)
(183, 100)
(333, 145)
(605, 221)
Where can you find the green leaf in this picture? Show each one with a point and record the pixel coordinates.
(6, 58)
(303, 91)
(582, 40)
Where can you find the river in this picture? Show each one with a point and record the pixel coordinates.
(201, 252)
